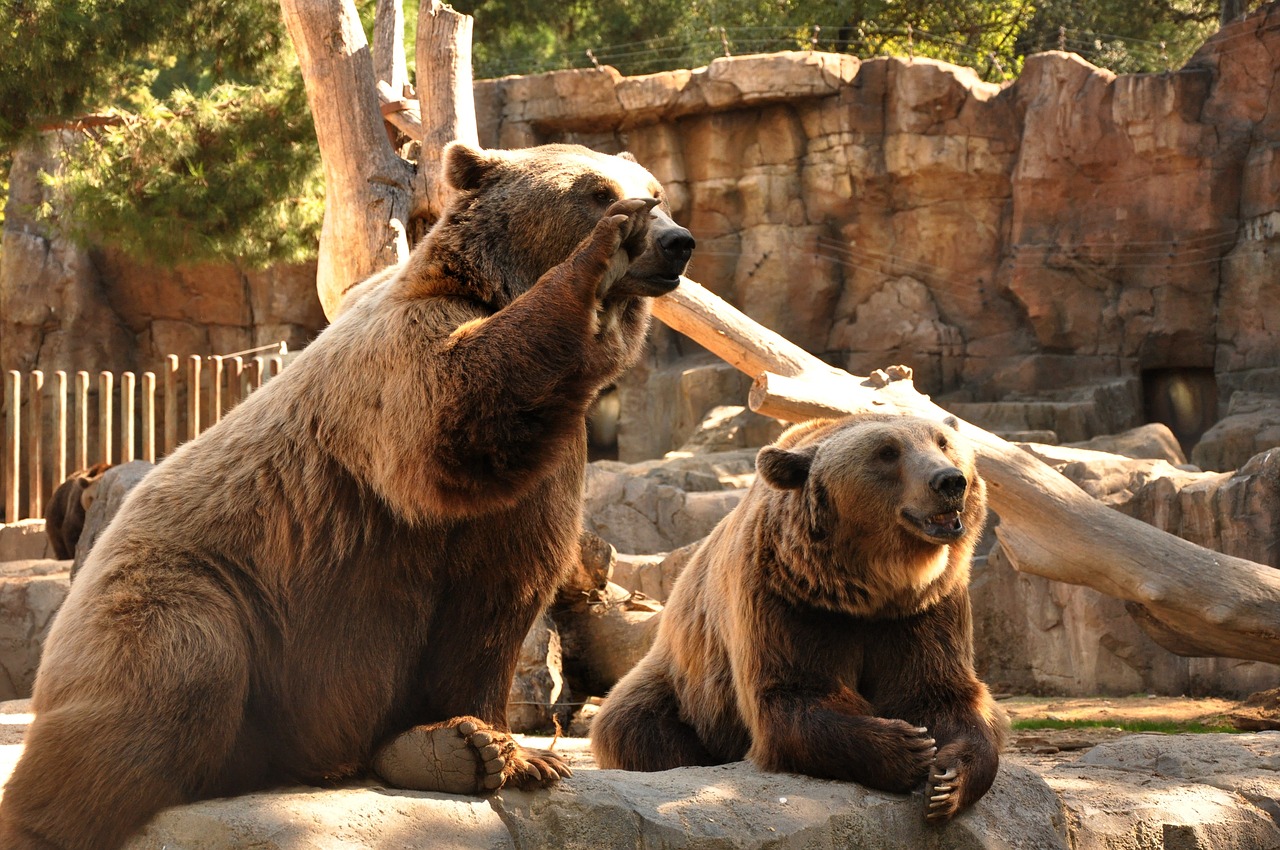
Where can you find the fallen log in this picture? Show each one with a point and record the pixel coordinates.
(1188, 599)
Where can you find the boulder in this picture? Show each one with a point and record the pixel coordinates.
(24, 540)
(538, 692)
(1252, 425)
(1153, 440)
(113, 487)
(639, 515)
(31, 592)
(1208, 792)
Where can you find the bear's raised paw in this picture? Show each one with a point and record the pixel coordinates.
(619, 237)
(464, 756)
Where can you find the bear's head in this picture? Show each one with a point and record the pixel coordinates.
(896, 499)
(518, 213)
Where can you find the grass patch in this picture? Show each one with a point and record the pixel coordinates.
(1170, 727)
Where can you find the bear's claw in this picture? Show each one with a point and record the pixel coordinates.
(941, 799)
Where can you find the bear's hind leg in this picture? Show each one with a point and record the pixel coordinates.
(639, 727)
(139, 703)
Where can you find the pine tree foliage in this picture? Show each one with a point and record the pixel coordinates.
(993, 36)
(208, 153)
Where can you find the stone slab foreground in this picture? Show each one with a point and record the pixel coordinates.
(1141, 792)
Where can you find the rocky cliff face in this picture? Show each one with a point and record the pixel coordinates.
(1068, 228)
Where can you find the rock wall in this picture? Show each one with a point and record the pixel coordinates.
(1070, 227)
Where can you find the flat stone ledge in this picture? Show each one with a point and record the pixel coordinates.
(1180, 792)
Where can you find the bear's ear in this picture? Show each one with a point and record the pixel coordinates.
(952, 423)
(785, 470)
(628, 156)
(465, 167)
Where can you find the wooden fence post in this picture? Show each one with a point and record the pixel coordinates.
(81, 404)
(127, 436)
(12, 445)
(149, 416)
(35, 444)
(106, 407)
(59, 428)
(193, 396)
(171, 404)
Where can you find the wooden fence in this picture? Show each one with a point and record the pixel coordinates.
(119, 420)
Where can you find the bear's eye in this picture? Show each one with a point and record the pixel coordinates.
(604, 196)
(888, 453)
(942, 442)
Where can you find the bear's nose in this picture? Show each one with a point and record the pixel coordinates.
(678, 244)
(949, 483)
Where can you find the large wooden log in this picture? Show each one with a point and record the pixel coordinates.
(1191, 600)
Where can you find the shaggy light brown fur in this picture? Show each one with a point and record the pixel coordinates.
(824, 628)
(358, 550)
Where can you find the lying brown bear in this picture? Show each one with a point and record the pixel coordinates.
(823, 627)
(341, 571)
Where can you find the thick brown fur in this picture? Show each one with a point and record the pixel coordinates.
(824, 627)
(64, 516)
(360, 547)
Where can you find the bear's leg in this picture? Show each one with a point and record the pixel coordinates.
(137, 708)
(925, 665)
(464, 755)
(639, 727)
(837, 735)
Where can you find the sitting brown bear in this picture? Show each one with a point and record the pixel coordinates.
(342, 570)
(64, 515)
(823, 627)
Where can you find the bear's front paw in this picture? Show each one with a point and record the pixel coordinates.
(960, 775)
(464, 756)
(619, 237)
(942, 793)
(913, 750)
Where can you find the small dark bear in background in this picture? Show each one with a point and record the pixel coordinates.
(338, 576)
(824, 627)
(64, 516)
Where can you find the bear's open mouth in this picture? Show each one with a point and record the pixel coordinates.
(945, 526)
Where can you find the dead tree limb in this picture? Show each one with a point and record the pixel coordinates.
(445, 97)
(367, 186)
(1194, 601)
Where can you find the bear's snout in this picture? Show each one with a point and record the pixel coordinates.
(677, 245)
(949, 483)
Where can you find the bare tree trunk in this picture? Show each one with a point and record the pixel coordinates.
(1189, 599)
(367, 187)
(445, 96)
(389, 63)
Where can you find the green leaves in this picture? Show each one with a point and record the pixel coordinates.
(228, 174)
(211, 156)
